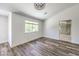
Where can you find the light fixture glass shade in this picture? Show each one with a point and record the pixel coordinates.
(39, 6)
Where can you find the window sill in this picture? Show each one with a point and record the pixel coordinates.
(30, 32)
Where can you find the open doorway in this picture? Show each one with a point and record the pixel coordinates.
(65, 30)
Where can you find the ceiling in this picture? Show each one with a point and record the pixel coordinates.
(28, 8)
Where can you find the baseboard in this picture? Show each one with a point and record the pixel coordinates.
(26, 42)
(62, 41)
(44, 38)
(3, 42)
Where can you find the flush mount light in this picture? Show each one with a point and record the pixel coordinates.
(39, 6)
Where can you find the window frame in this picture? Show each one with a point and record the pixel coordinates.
(32, 23)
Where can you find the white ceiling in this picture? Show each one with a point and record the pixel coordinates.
(28, 9)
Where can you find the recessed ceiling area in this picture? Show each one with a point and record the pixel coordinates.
(28, 8)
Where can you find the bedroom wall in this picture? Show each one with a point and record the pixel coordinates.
(18, 30)
(51, 25)
(3, 29)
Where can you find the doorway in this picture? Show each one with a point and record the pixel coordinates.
(65, 30)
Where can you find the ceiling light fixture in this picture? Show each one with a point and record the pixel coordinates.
(39, 6)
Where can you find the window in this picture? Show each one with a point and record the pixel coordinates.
(31, 26)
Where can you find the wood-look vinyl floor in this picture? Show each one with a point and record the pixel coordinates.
(41, 47)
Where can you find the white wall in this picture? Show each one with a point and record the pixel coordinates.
(3, 29)
(51, 25)
(18, 28)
